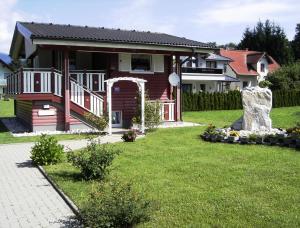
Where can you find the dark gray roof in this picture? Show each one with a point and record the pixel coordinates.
(101, 34)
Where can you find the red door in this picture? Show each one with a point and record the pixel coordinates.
(37, 82)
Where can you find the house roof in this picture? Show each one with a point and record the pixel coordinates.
(5, 60)
(243, 60)
(215, 57)
(101, 34)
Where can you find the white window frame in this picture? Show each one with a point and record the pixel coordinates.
(142, 71)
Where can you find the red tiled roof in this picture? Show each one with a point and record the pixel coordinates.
(242, 58)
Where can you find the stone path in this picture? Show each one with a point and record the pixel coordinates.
(26, 198)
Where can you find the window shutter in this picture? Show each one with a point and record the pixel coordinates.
(158, 63)
(124, 62)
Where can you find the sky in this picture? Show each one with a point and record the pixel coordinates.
(219, 21)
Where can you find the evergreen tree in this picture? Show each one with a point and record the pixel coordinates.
(268, 37)
(296, 43)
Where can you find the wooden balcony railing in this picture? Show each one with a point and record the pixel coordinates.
(198, 70)
(29, 80)
(92, 79)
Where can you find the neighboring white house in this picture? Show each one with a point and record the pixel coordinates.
(206, 74)
(5, 70)
(250, 67)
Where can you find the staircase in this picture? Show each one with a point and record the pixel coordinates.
(86, 99)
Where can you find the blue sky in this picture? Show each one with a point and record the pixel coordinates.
(220, 21)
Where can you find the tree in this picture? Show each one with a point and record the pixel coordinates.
(285, 78)
(268, 37)
(296, 43)
(230, 46)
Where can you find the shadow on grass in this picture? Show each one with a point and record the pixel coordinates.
(3, 129)
(68, 175)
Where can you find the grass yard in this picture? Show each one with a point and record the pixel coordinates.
(197, 184)
(7, 110)
(281, 117)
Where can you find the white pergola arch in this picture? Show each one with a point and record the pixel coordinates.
(140, 83)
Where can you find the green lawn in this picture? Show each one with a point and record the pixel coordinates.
(7, 110)
(281, 117)
(198, 184)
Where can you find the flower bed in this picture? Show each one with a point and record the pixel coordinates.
(275, 137)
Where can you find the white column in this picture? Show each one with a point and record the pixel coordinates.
(109, 98)
(142, 86)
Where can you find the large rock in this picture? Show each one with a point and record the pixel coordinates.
(257, 104)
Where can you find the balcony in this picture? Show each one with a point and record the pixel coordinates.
(198, 70)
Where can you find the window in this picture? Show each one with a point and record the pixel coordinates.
(245, 84)
(140, 62)
(187, 88)
(225, 68)
(202, 87)
(262, 67)
(211, 64)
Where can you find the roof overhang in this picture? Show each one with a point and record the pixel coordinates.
(120, 45)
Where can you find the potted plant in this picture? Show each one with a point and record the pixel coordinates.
(252, 138)
(244, 140)
(233, 136)
(129, 136)
(220, 137)
(273, 139)
(259, 139)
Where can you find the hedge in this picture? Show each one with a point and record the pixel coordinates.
(233, 100)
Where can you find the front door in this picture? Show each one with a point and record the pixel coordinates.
(116, 119)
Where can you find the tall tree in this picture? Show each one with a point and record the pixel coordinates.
(268, 37)
(296, 43)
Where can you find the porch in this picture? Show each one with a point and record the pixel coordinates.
(87, 91)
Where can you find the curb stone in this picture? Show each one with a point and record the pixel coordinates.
(68, 201)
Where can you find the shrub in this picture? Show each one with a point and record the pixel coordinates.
(264, 84)
(129, 136)
(152, 113)
(47, 151)
(94, 160)
(115, 204)
(99, 122)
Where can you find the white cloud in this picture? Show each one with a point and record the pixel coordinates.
(230, 12)
(8, 17)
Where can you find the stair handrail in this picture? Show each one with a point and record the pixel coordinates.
(87, 89)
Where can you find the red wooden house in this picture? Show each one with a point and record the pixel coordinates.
(64, 68)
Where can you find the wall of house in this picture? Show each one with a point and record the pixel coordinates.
(251, 80)
(52, 118)
(44, 59)
(3, 71)
(124, 93)
(23, 111)
(262, 75)
(210, 86)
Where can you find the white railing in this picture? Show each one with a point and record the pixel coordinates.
(91, 79)
(14, 83)
(169, 109)
(57, 84)
(94, 102)
(35, 81)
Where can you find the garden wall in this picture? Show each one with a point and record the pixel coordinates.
(233, 100)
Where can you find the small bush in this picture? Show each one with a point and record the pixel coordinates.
(115, 204)
(99, 122)
(265, 84)
(94, 160)
(47, 151)
(129, 136)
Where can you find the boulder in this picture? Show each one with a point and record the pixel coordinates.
(257, 104)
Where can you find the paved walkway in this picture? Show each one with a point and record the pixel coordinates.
(26, 198)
